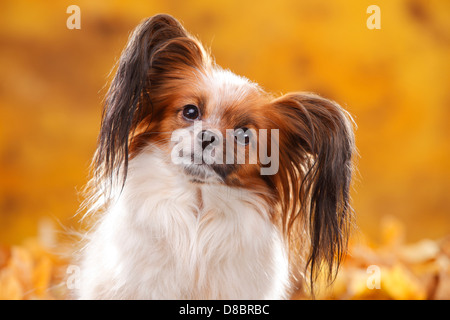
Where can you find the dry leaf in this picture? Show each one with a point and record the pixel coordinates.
(419, 252)
(10, 286)
(401, 284)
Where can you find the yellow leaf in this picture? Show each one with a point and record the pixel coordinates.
(10, 287)
(401, 284)
(42, 275)
(419, 252)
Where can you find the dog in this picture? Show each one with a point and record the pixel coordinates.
(205, 186)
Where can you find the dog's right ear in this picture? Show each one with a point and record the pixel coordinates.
(156, 51)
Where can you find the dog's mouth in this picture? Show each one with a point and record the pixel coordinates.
(204, 173)
(204, 165)
(199, 173)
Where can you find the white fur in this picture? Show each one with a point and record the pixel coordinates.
(156, 241)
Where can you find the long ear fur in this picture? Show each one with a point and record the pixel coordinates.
(316, 148)
(157, 46)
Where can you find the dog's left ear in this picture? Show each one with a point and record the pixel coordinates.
(316, 144)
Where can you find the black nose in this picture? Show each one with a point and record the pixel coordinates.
(207, 138)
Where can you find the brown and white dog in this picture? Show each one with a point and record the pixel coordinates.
(201, 221)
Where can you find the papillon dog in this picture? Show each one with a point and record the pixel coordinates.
(207, 187)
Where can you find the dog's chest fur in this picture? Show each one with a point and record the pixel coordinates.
(166, 238)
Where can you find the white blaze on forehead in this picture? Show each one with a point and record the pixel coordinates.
(224, 88)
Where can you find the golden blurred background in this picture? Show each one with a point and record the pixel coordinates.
(394, 81)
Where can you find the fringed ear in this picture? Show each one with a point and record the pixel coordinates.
(316, 148)
(158, 46)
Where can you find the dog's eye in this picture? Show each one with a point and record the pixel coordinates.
(191, 112)
(243, 136)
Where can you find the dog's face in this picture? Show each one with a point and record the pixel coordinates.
(216, 127)
(207, 122)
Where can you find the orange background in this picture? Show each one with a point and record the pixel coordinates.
(394, 81)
